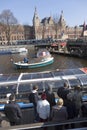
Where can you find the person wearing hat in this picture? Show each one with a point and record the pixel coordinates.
(43, 108)
(12, 111)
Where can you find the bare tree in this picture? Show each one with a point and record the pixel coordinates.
(8, 23)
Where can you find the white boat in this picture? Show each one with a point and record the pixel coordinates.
(19, 50)
(13, 50)
(44, 58)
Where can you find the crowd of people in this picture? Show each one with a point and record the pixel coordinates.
(69, 105)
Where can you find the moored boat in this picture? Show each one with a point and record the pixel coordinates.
(13, 50)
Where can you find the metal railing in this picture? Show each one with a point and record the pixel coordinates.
(49, 125)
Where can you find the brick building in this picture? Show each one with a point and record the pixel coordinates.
(48, 27)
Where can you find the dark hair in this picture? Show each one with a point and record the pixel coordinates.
(11, 97)
(66, 85)
(35, 87)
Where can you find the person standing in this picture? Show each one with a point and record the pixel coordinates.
(33, 98)
(50, 96)
(59, 113)
(12, 111)
(77, 98)
(43, 108)
(63, 91)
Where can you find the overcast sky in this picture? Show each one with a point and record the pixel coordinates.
(75, 11)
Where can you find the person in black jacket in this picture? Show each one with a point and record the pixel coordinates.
(63, 91)
(50, 96)
(33, 98)
(12, 111)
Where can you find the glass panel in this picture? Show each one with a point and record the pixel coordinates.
(54, 84)
(77, 71)
(47, 75)
(28, 87)
(58, 73)
(83, 79)
(74, 82)
(5, 78)
(8, 89)
(68, 72)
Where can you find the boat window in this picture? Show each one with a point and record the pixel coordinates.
(28, 87)
(8, 77)
(26, 76)
(83, 79)
(74, 82)
(54, 84)
(68, 72)
(31, 76)
(8, 89)
(77, 71)
(36, 76)
(47, 75)
(24, 88)
(58, 73)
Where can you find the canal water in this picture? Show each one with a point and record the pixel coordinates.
(60, 62)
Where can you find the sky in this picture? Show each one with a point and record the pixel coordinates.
(74, 11)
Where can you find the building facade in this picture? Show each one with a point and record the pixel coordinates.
(56, 29)
(48, 27)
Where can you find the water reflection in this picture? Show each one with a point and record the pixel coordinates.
(60, 62)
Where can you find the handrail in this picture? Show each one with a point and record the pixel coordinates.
(46, 124)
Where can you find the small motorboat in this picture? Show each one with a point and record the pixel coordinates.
(43, 58)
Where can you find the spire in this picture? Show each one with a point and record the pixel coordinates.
(84, 26)
(35, 12)
(61, 20)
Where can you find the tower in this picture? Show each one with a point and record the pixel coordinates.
(62, 22)
(36, 23)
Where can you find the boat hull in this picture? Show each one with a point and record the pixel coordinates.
(20, 65)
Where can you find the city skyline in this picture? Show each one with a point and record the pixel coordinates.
(74, 11)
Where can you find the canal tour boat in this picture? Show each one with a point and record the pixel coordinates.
(13, 50)
(22, 83)
(43, 58)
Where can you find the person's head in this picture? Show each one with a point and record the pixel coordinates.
(77, 87)
(12, 97)
(43, 96)
(60, 102)
(66, 85)
(35, 87)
